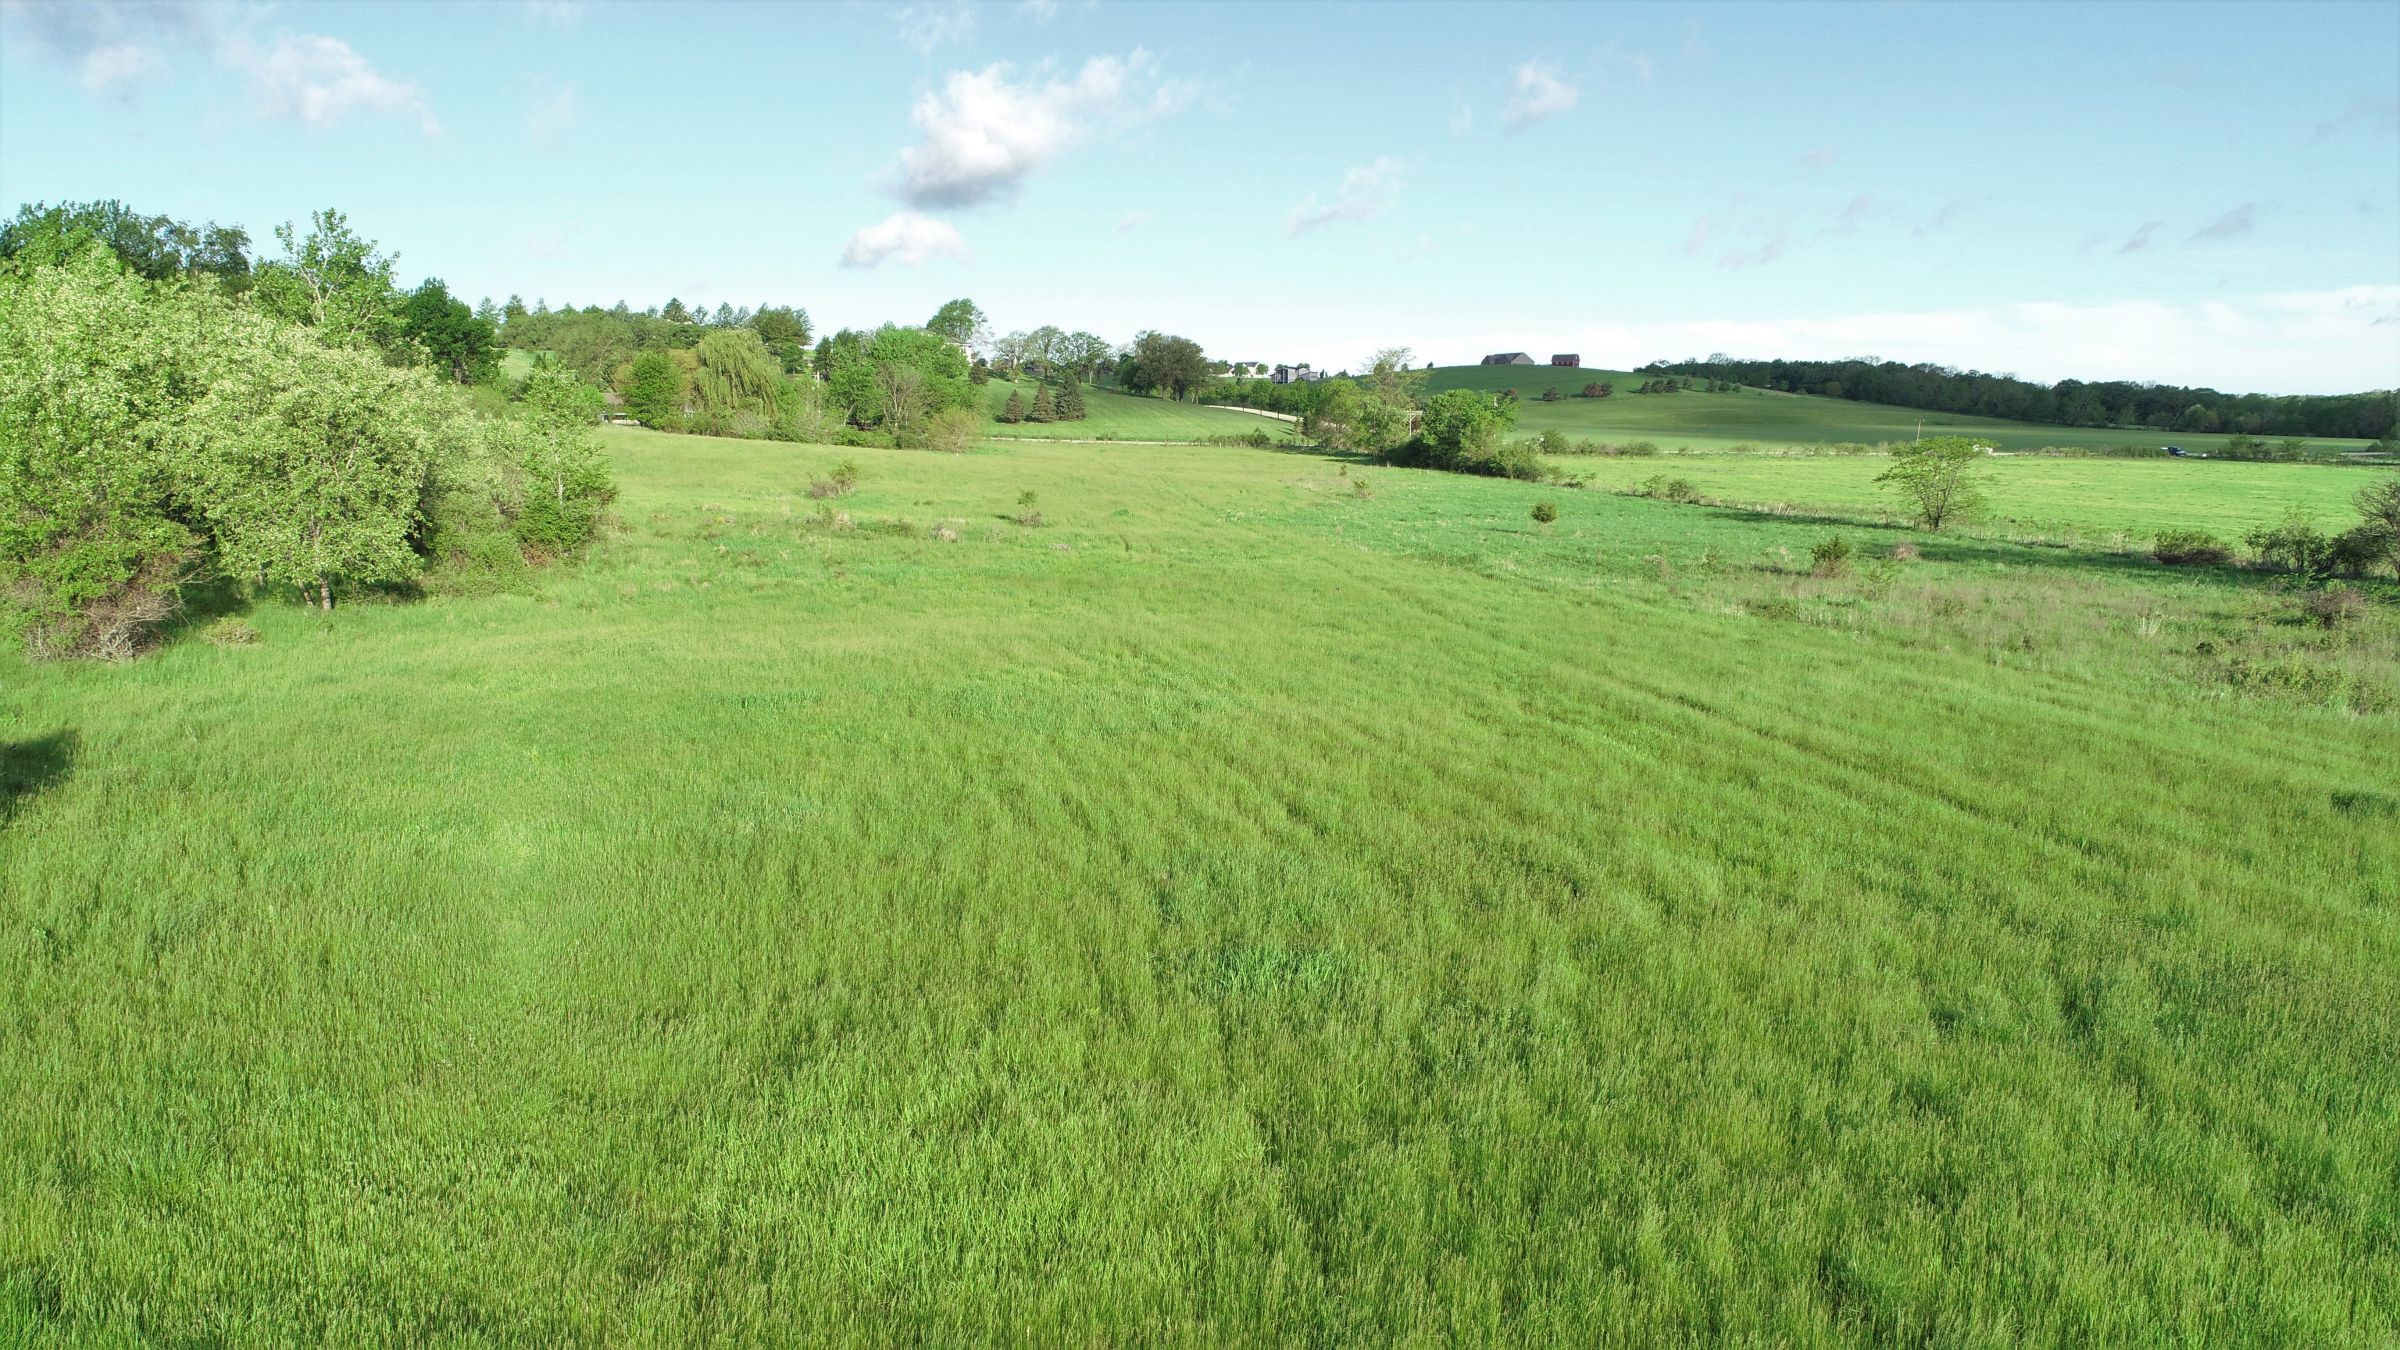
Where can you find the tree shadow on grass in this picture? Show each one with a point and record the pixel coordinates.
(1963, 549)
(28, 768)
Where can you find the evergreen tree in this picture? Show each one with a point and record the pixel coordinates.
(1045, 408)
(1014, 410)
(1070, 401)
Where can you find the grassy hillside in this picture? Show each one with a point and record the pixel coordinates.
(1117, 416)
(1239, 911)
(1762, 418)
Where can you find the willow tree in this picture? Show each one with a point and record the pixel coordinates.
(737, 373)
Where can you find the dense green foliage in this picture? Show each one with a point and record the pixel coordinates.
(2106, 403)
(156, 433)
(1163, 364)
(1941, 479)
(1240, 911)
(153, 247)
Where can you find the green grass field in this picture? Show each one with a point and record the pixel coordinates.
(2114, 501)
(1238, 911)
(1766, 419)
(1114, 416)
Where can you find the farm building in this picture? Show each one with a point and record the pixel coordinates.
(1299, 374)
(1566, 359)
(1508, 359)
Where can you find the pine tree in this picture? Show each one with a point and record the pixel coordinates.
(1070, 401)
(1014, 410)
(1045, 408)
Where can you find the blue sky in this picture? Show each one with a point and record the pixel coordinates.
(2203, 194)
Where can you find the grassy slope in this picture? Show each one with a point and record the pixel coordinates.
(1126, 417)
(1235, 912)
(1720, 421)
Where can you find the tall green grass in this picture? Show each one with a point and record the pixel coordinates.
(1236, 911)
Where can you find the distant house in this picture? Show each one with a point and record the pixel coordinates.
(1299, 374)
(1566, 359)
(1508, 359)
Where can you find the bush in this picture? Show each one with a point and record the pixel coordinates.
(1544, 513)
(2333, 607)
(1671, 489)
(2294, 544)
(2358, 552)
(1027, 516)
(1830, 557)
(953, 431)
(1905, 552)
(2189, 548)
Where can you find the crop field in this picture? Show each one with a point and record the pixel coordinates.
(1114, 416)
(1238, 907)
(1768, 420)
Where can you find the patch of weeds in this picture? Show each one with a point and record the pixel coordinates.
(1830, 556)
(229, 632)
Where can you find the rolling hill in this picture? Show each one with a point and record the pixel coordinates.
(1764, 418)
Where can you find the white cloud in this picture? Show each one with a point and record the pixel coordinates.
(318, 81)
(555, 13)
(1038, 11)
(1820, 158)
(926, 27)
(2290, 342)
(983, 133)
(907, 237)
(551, 115)
(1366, 192)
(1134, 220)
(1535, 92)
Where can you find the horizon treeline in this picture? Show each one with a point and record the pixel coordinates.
(2370, 415)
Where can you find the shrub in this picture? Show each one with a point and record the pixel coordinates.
(2189, 548)
(1939, 478)
(1551, 394)
(2360, 551)
(2333, 607)
(1544, 513)
(1361, 489)
(1830, 557)
(843, 477)
(953, 431)
(2295, 544)
(1905, 552)
(1027, 516)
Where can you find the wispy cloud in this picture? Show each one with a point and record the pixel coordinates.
(113, 48)
(1134, 220)
(1951, 212)
(551, 115)
(984, 132)
(2375, 116)
(904, 237)
(1820, 158)
(2141, 236)
(554, 13)
(1536, 91)
(1462, 117)
(927, 27)
(320, 81)
(2233, 224)
(1366, 192)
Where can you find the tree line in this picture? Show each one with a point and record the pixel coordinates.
(176, 413)
(2131, 404)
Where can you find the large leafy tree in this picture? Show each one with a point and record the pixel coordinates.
(454, 339)
(785, 330)
(653, 388)
(564, 482)
(153, 247)
(1164, 364)
(334, 281)
(961, 322)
